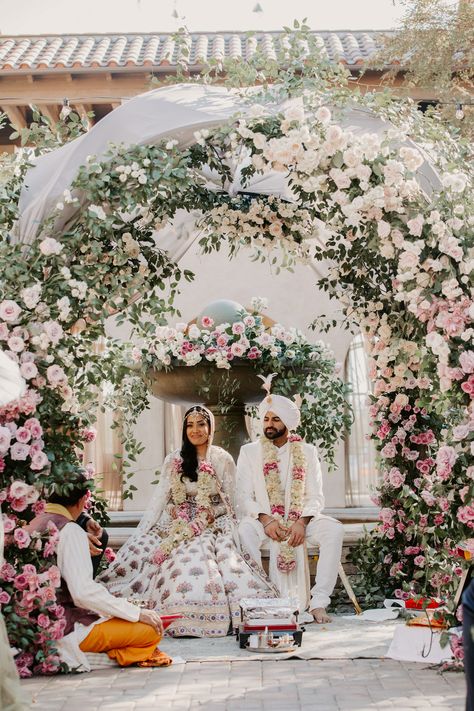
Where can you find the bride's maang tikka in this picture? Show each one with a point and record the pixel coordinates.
(197, 410)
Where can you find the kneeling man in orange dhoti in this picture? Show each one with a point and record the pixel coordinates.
(96, 621)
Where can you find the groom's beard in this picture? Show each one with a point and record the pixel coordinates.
(274, 432)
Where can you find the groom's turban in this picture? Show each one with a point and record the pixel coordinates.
(283, 407)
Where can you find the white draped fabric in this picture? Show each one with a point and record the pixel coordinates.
(172, 112)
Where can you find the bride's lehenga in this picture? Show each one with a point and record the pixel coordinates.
(204, 578)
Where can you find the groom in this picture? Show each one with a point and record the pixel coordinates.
(280, 500)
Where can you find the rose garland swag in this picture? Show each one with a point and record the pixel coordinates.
(184, 527)
(286, 560)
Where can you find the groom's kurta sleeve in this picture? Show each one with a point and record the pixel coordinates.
(247, 505)
(314, 497)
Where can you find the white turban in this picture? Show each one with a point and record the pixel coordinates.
(285, 408)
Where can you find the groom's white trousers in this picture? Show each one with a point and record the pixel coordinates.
(322, 531)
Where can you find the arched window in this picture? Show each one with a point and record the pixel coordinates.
(360, 467)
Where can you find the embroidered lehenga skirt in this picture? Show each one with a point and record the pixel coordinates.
(203, 579)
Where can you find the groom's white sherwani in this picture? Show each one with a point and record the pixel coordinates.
(252, 500)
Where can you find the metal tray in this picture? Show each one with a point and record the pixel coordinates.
(272, 650)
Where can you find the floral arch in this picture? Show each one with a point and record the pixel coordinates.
(341, 187)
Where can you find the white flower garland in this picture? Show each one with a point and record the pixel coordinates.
(286, 560)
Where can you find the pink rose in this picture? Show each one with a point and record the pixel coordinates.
(387, 515)
(222, 340)
(7, 572)
(461, 432)
(38, 508)
(43, 620)
(23, 435)
(446, 458)
(55, 375)
(237, 350)
(9, 523)
(4, 597)
(39, 461)
(9, 310)
(207, 322)
(28, 370)
(254, 353)
(465, 514)
(238, 328)
(16, 344)
(468, 386)
(21, 488)
(89, 434)
(19, 452)
(396, 478)
(428, 497)
(21, 538)
(466, 361)
(389, 451)
(33, 425)
(419, 561)
(20, 582)
(54, 331)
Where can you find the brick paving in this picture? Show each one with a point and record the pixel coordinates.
(286, 685)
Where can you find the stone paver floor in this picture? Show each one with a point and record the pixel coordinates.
(286, 685)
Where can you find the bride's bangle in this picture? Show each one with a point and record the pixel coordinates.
(268, 523)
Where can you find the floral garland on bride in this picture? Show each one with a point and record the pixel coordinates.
(184, 527)
(286, 560)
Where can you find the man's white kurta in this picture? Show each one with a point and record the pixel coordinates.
(75, 565)
(252, 500)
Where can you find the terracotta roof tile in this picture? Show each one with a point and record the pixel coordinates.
(20, 54)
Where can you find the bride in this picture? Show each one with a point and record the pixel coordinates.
(185, 555)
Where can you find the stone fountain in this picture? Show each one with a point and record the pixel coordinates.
(224, 392)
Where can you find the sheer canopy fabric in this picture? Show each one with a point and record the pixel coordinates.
(171, 112)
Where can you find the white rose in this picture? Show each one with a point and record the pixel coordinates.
(323, 115)
(259, 141)
(49, 246)
(31, 295)
(98, 211)
(383, 229)
(416, 225)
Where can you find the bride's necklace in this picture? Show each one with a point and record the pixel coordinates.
(286, 560)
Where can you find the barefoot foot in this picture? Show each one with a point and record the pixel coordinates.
(320, 615)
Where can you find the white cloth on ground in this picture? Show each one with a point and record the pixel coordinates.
(326, 532)
(75, 564)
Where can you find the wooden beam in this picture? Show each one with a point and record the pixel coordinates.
(51, 112)
(83, 109)
(15, 115)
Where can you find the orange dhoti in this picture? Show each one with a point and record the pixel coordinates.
(126, 642)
